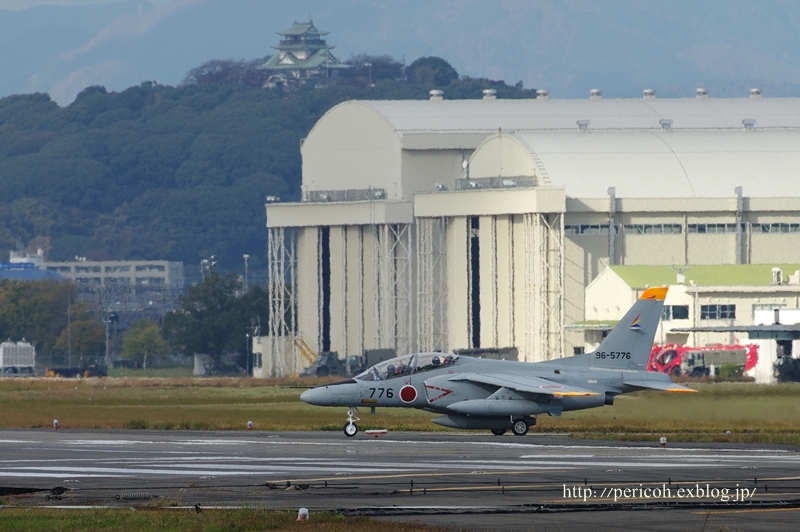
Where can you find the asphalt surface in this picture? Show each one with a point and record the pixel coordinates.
(472, 481)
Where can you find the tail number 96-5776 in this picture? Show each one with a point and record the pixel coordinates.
(380, 393)
(613, 355)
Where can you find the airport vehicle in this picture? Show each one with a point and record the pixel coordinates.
(701, 361)
(476, 393)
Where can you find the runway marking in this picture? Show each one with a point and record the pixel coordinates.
(752, 511)
(415, 475)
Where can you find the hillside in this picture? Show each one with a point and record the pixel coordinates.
(159, 172)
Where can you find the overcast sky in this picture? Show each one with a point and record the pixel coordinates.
(565, 46)
(17, 5)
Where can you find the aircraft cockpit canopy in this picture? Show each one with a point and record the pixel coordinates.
(407, 365)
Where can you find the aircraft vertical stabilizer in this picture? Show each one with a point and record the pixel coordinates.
(629, 344)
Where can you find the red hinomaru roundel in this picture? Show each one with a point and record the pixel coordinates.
(408, 393)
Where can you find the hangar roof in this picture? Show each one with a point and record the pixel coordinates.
(649, 164)
(412, 116)
(703, 275)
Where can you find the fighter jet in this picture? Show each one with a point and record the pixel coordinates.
(475, 393)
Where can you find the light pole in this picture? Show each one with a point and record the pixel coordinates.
(245, 256)
(369, 65)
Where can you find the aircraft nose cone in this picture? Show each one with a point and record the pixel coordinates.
(315, 396)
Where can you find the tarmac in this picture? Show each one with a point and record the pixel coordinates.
(469, 481)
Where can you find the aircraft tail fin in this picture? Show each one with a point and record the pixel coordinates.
(628, 345)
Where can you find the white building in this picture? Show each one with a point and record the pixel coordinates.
(698, 296)
(478, 224)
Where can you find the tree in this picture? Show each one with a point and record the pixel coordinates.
(36, 311)
(144, 339)
(214, 319)
(431, 71)
(84, 335)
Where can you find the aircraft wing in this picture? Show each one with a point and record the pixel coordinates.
(662, 386)
(525, 384)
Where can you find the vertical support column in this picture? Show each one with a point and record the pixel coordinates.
(739, 232)
(277, 288)
(458, 301)
(379, 237)
(440, 287)
(361, 289)
(282, 257)
(530, 278)
(612, 235)
(425, 322)
(344, 299)
(401, 277)
(552, 260)
(431, 284)
(512, 278)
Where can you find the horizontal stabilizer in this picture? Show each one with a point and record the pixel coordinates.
(662, 386)
(533, 385)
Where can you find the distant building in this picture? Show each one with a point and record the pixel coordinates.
(27, 267)
(36, 259)
(700, 296)
(125, 285)
(303, 55)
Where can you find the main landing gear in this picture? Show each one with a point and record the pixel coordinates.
(518, 426)
(351, 429)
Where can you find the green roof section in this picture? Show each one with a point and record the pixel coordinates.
(303, 28)
(703, 275)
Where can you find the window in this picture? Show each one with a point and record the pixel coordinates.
(675, 312)
(717, 312)
(116, 269)
(588, 230)
(775, 228)
(652, 229)
(150, 268)
(703, 229)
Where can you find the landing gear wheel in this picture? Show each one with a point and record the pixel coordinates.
(498, 432)
(520, 427)
(351, 429)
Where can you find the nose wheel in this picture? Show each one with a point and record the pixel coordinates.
(351, 429)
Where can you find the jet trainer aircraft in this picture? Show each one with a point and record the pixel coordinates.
(475, 393)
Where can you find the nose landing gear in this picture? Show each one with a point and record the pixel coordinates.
(351, 429)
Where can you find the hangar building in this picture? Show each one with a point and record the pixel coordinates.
(465, 224)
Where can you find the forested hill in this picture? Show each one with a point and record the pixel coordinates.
(159, 172)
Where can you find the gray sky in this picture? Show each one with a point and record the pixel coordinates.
(17, 5)
(565, 46)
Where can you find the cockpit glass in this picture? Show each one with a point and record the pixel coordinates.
(429, 361)
(407, 365)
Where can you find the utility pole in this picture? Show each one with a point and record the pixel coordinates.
(246, 256)
(69, 330)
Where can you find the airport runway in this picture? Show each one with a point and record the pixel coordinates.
(469, 480)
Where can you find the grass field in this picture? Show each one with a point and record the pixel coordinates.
(187, 520)
(182, 371)
(752, 413)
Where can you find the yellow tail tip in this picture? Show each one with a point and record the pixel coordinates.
(658, 293)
